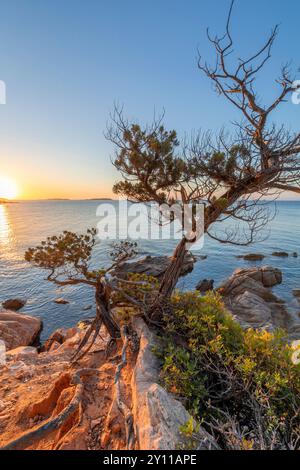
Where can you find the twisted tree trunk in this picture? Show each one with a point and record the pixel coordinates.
(169, 280)
(103, 317)
(102, 297)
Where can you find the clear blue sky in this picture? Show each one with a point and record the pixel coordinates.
(65, 62)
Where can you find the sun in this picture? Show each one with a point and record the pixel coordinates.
(8, 188)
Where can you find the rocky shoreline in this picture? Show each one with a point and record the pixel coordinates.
(38, 384)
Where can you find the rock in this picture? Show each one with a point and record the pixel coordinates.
(39, 388)
(18, 330)
(59, 337)
(251, 311)
(88, 307)
(253, 257)
(22, 352)
(13, 304)
(237, 285)
(154, 266)
(271, 276)
(205, 285)
(268, 276)
(280, 254)
(61, 301)
(247, 295)
(296, 292)
(294, 333)
(54, 346)
(84, 324)
(157, 414)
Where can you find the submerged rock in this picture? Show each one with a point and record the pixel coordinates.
(253, 257)
(61, 301)
(87, 307)
(18, 330)
(13, 304)
(280, 254)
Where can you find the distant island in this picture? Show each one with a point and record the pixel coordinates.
(6, 201)
(100, 199)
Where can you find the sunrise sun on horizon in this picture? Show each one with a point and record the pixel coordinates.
(8, 188)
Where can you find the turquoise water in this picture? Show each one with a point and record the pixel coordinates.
(25, 224)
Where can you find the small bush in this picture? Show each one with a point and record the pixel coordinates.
(242, 385)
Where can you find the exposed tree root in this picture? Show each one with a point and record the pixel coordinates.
(103, 316)
(118, 403)
(53, 424)
(62, 439)
(126, 412)
(68, 393)
(95, 326)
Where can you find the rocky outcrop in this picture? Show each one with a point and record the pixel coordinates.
(154, 266)
(248, 296)
(157, 415)
(21, 353)
(47, 404)
(268, 276)
(17, 329)
(13, 304)
(59, 337)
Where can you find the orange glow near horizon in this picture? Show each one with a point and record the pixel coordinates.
(40, 187)
(8, 188)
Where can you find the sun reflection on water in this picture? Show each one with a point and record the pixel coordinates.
(5, 229)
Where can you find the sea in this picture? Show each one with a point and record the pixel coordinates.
(25, 224)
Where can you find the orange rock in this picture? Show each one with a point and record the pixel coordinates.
(17, 329)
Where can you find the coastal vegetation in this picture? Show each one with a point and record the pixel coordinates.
(241, 385)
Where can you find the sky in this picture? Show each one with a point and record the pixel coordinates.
(66, 62)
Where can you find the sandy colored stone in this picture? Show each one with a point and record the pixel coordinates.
(248, 297)
(17, 329)
(21, 352)
(157, 414)
(61, 301)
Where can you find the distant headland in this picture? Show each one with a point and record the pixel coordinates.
(6, 201)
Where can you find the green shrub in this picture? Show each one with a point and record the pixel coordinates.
(226, 376)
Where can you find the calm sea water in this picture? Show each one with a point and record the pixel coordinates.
(25, 224)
